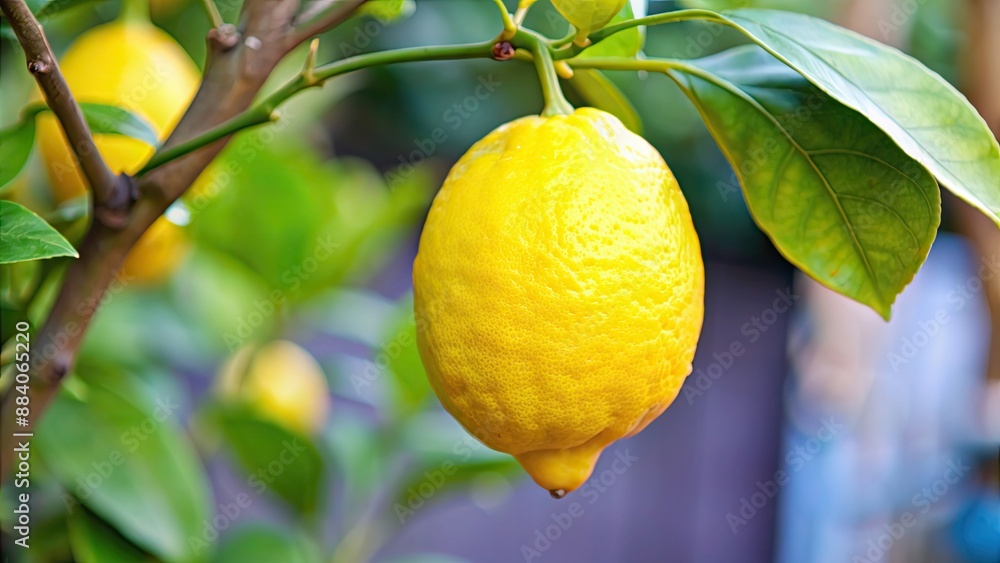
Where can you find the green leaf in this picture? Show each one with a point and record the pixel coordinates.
(15, 148)
(398, 352)
(837, 197)
(27, 236)
(128, 462)
(388, 10)
(113, 120)
(275, 458)
(598, 91)
(627, 43)
(94, 541)
(923, 114)
(266, 543)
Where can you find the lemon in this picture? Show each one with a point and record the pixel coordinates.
(588, 15)
(560, 286)
(281, 382)
(131, 64)
(157, 253)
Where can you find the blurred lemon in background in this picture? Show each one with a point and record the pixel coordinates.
(128, 63)
(281, 382)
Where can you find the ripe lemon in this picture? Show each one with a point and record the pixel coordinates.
(281, 382)
(560, 285)
(131, 64)
(588, 15)
(157, 253)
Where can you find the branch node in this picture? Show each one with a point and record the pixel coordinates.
(503, 51)
(39, 67)
(114, 214)
(225, 36)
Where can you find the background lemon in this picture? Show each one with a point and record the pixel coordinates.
(134, 65)
(131, 64)
(281, 382)
(561, 284)
(156, 255)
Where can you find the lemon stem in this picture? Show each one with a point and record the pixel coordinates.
(135, 11)
(509, 27)
(555, 102)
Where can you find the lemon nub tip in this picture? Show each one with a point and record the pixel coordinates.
(557, 493)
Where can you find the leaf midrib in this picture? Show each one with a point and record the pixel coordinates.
(736, 91)
(952, 178)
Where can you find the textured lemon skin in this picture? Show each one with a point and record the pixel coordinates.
(560, 284)
(282, 382)
(588, 15)
(130, 64)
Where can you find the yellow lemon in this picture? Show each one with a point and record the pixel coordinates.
(281, 382)
(560, 287)
(131, 64)
(157, 253)
(588, 15)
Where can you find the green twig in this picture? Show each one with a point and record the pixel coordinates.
(668, 17)
(213, 13)
(264, 110)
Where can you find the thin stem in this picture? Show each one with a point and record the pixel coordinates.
(522, 10)
(668, 17)
(213, 13)
(135, 10)
(263, 111)
(331, 16)
(509, 27)
(555, 102)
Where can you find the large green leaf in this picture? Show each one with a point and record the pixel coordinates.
(94, 541)
(927, 117)
(388, 10)
(598, 91)
(127, 461)
(839, 199)
(266, 543)
(15, 148)
(27, 236)
(275, 458)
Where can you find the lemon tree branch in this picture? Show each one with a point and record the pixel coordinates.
(327, 18)
(264, 111)
(110, 192)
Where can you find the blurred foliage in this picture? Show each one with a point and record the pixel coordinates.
(300, 230)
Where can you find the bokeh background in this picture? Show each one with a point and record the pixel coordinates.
(831, 435)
